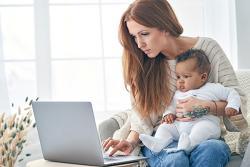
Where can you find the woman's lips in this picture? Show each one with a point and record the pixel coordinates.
(147, 51)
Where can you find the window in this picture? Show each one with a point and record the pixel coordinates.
(17, 57)
(69, 49)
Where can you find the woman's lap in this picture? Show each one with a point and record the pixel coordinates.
(164, 159)
(210, 153)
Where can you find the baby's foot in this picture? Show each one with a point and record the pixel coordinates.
(154, 144)
(184, 142)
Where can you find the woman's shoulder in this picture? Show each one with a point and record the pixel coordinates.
(209, 46)
(203, 42)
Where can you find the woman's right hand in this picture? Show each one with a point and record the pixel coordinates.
(118, 145)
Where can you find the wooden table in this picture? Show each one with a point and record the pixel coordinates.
(44, 163)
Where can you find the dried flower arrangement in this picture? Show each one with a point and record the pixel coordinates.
(13, 132)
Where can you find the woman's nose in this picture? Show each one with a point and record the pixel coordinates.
(140, 44)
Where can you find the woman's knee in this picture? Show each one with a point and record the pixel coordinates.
(210, 153)
(214, 145)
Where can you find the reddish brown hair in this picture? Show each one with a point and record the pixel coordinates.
(147, 78)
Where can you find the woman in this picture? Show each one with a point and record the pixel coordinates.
(151, 38)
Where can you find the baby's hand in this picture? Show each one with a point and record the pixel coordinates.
(168, 119)
(230, 112)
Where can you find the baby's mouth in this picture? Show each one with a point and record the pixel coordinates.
(182, 87)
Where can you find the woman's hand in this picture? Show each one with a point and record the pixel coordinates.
(118, 145)
(188, 104)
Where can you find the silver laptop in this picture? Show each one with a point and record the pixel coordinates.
(68, 133)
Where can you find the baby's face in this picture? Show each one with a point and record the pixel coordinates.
(188, 77)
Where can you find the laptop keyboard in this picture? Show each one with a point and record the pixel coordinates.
(106, 157)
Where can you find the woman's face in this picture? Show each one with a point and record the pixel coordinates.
(150, 40)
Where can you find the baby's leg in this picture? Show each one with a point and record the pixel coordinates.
(201, 131)
(184, 129)
(164, 135)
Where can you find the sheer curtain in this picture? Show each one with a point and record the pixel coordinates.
(4, 98)
(69, 49)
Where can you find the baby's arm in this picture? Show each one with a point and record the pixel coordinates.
(169, 118)
(169, 115)
(233, 104)
(232, 97)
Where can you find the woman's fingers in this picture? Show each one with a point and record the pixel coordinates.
(105, 142)
(117, 145)
(186, 105)
(110, 143)
(123, 146)
(116, 148)
(180, 109)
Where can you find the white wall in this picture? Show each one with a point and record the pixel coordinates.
(210, 18)
(243, 33)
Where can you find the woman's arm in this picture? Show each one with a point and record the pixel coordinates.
(214, 107)
(133, 138)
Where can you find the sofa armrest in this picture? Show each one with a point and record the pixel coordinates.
(107, 128)
(243, 77)
(246, 160)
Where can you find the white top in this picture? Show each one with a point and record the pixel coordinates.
(221, 72)
(209, 91)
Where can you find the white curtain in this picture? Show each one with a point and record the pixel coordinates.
(4, 98)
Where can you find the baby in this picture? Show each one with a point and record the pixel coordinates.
(191, 128)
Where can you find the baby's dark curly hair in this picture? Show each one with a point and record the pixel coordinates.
(202, 62)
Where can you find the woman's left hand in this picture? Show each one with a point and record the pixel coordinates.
(188, 104)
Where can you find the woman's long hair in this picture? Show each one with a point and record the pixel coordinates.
(147, 78)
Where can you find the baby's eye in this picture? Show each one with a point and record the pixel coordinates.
(178, 77)
(186, 76)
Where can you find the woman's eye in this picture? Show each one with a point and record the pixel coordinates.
(178, 77)
(145, 33)
(133, 36)
(185, 76)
